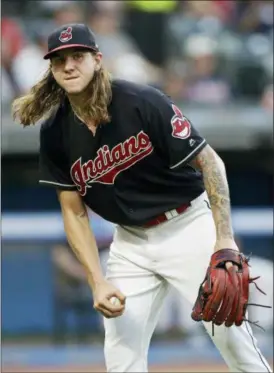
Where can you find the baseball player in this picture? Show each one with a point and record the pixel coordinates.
(127, 152)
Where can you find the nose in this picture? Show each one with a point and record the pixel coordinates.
(69, 64)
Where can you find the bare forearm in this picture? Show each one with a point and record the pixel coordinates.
(82, 242)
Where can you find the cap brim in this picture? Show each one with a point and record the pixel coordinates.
(48, 55)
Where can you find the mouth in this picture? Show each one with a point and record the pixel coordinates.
(71, 78)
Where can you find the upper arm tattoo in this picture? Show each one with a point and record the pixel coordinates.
(215, 181)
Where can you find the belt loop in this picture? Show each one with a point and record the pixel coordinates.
(168, 215)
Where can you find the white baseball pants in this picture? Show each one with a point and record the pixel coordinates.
(143, 263)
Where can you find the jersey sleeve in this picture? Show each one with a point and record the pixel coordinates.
(54, 168)
(171, 132)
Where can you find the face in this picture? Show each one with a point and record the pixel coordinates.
(73, 69)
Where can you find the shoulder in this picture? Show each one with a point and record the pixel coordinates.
(48, 124)
(53, 123)
(140, 93)
(51, 129)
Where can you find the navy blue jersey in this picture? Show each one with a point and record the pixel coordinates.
(135, 167)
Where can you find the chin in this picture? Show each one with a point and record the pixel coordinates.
(73, 87)
(74, 91)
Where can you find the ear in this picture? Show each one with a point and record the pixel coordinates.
(98, 59)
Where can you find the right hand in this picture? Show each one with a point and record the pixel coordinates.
(102, 293)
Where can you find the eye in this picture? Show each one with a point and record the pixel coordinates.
(78, 56)
(57, 60)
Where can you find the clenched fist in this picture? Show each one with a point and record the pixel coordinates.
(102, 294)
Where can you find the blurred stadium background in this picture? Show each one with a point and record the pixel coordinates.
(215, 58)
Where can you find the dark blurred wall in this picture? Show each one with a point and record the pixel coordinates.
(250, 180)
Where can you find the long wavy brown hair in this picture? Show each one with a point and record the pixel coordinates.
(46, 96)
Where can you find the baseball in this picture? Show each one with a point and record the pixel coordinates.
(115, 301)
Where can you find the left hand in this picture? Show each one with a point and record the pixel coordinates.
(226, 244)
(223, 295)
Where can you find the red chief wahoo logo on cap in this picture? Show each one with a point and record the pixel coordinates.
(66, 35)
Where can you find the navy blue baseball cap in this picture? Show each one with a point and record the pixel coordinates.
(71, 36)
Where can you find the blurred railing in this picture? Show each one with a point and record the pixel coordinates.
(233, 126)
(49, 226)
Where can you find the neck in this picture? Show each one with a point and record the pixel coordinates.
(77, 101)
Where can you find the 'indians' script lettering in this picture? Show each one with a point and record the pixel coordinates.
(109, 163)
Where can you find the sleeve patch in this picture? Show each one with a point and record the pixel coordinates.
(181, 127)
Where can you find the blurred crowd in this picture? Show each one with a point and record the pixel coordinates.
(203, 52)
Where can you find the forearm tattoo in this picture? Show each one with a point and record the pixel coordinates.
(215, 181)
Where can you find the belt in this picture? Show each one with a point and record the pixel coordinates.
(167, 216)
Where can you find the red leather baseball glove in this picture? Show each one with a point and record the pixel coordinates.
(223, 295)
